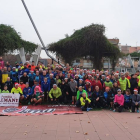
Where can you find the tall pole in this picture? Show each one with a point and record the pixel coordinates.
(38, 32)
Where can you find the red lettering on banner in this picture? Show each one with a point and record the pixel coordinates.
(5, 100)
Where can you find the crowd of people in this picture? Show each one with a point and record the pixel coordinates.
(84, 88)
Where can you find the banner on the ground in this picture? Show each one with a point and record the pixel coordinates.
(9, 99)
(39, 110)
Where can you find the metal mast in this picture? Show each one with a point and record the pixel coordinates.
(38, 33)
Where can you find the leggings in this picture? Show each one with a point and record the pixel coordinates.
(116, 105)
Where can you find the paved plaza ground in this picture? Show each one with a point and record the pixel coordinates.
(93, 125)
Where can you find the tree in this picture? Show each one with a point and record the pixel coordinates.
(135, 54)
(10, 40)
(88, 41)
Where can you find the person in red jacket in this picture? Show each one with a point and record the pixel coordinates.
(127, 75)
(97, 83)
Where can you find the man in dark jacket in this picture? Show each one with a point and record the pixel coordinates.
(97, 98)
(24, 78)
(133, 83)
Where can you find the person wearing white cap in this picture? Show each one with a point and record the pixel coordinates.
(135, 101)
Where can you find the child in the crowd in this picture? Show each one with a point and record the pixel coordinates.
(37, 96)
(85, 102)
(135, 101)
(108, 98)
(118, 101)
(127, 100)
(5, 89)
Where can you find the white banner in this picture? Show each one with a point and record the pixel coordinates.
(9, 99)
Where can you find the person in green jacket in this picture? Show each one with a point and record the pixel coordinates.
(5, 89)
(85, 102)
(55, 94)
(124, 83)
(79, 94)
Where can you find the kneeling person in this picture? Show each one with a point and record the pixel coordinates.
(55, 94)
(85, 102)
(37, 96)
(118, 101)
(135, 101)
(18, 90)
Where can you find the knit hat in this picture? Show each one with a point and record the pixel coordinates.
(16, 84)
(107, 77)
(135, 89)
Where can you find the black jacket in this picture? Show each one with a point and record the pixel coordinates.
(133, 82)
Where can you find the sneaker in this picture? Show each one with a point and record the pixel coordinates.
(130, 110)
(138, 111)
(114, 110)
(88, 109)
(72, 103)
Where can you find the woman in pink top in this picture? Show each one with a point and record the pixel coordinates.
(118, 101)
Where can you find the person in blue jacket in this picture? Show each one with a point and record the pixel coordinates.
(31, 78)
(27, 92)
(127, 100)
(14, 75)
(36, 83)
(20, 72)
(45, 87)
(43, 76)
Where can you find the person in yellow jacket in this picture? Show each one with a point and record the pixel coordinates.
(124, 83)
(85, 102)
(17, 90)
(55, 94)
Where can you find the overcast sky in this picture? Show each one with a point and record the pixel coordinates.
(55, 18)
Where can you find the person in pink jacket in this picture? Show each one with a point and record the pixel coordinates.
(118, 101)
